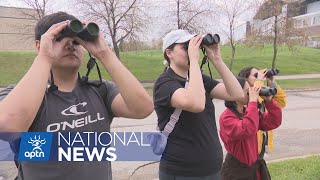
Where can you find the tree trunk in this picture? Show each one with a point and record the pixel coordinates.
(178, 13)
(233, 47)
(233, 52)
(121, 46)
(116, 48)
(275, 50)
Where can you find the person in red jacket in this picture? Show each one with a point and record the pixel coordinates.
(239, 125)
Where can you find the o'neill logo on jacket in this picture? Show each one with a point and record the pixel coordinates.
(35, 146)
(73, 110)
(81, 117)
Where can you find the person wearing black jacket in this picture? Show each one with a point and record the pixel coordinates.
(193, 148)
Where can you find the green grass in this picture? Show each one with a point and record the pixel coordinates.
(303, 61)
(298, 169)
(147, 65)
(299, 83)
(285, 84)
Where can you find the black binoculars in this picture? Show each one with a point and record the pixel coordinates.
(210, 39)
(267, 91)
(207, 40)
(89, 32)
(272, 72)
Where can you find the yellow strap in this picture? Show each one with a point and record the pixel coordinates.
(270, 141)
(260, 139)
(280, 98)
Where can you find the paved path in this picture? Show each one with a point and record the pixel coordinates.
(298, 135)
(298, 76)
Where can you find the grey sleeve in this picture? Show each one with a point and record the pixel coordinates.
(112, 92)
(6, 91)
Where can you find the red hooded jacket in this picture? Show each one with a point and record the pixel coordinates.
(240, 136)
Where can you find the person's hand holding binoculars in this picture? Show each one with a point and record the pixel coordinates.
(193, 49)
(254, 93)
(213, 52)
(270, 80)
(97, 46)
(48, 42)
(267, 98)
(85, 33)
(264, 74)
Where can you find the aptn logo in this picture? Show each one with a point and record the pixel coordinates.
(35, 146)
(73, 110)
(36, 151)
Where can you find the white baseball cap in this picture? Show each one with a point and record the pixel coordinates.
(176, 36)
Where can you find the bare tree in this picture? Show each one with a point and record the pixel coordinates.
(39, 6)
(189, 13)
(34, 11)
(275, 26)
(119, 19)
(230, 14)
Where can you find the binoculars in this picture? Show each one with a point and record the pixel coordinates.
(267, 91)
(210, 39)
(272, 72)
(75, 28)
(207, 40)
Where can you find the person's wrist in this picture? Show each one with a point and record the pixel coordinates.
(44, 58)
(194, 60)
(273, 85)
(217, 57)
(102, 54)
(253, 100)
(252, 104)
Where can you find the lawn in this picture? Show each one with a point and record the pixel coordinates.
(299, 83)
(297, 169)
(289, 84)
(147, 65)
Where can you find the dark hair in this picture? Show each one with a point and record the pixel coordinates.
(233, 104)
(245, 72)
(47, 21)
(165, 54)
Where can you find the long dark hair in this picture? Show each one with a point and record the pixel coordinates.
(245, 72)
(233, 104)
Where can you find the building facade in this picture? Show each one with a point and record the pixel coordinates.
(309, 22)
(304, 13)
(16, 29)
